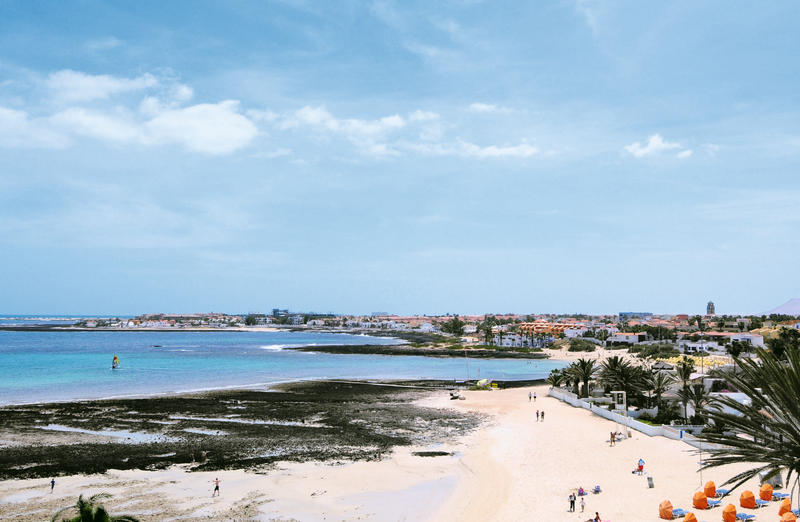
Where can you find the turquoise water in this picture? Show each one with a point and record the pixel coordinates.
(59, 366)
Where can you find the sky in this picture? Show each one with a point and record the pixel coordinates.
(404, 157)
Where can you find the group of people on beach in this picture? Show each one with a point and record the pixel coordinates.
(572, 498)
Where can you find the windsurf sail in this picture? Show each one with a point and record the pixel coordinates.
(115, 362)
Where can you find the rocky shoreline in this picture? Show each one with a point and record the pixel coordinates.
(233, 429)
(426, 351)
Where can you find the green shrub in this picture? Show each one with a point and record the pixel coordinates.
(579, 345)
(658, 351)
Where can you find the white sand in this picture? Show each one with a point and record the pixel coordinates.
(511, 469)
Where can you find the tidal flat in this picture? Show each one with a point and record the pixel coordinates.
(232, 429)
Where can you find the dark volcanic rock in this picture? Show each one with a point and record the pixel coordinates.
(221, 430)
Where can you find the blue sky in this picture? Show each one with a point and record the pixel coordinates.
(410, 157)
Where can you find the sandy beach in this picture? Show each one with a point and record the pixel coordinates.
(512, 468)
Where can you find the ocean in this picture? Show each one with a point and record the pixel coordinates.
(62, 366)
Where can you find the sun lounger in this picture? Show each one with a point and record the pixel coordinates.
(761, 503)
(678, 513)
(779, 496)
(796, 512)
(745, 516)
(713, 503)
(721, 492)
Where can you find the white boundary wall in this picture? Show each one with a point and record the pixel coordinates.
(672, 432)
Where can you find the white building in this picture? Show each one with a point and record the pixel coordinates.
(427, 327)
(626, 338)
(754, 339)
(572, 333)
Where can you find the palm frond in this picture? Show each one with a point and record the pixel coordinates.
(766, 431)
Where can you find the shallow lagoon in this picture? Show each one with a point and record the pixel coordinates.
(60, 366)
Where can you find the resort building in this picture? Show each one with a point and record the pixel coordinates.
(544, 327)
(626, 338)
(627, 316)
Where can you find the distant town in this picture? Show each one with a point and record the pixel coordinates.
(643, 332)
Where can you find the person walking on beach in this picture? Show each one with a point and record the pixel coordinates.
(613, 437)
(529, 396)
(583, 504)
(537, 415)
(534, 396)
(572, 502)
(216, 488)
(542, 415)
(52, 484)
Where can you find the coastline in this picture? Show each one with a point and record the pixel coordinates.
(508, 467)
(425, 351)
(298, 420)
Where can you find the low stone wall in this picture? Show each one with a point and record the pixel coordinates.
(672, 432)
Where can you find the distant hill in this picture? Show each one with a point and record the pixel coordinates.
(790, 307)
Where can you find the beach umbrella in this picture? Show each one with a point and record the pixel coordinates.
(665, 510)
(788, 517)
(748, 500)
(786, 506)
(766, 492)
(700, 500)
(690, 518)
(729, 513)
(710, 489)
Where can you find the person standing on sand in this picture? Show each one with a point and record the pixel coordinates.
(542, 415)
(529, 396)
(583, 504)
(613, 436)
(537, 415)
(571, 502)
(52, 484)
(216, 488)
(534, 396)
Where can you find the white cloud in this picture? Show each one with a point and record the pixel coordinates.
(589, 11)
(182, 93)
(213, 128)
(482, 107)
(267, 116)
(277, 153)
(320, 118)
(655, 145)
(488, 108)
(466, 149)
(18, 130)
(422, 116)
(95, 124)
(74, 86)
(208, 128)
(103, 44)
(367, 135)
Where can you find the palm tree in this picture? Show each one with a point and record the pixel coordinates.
(685, 368)
(658, 383)
(766, 432)
(618, 373)
(700, 398)
(555, 378)
(92, 511)
(583, 370)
